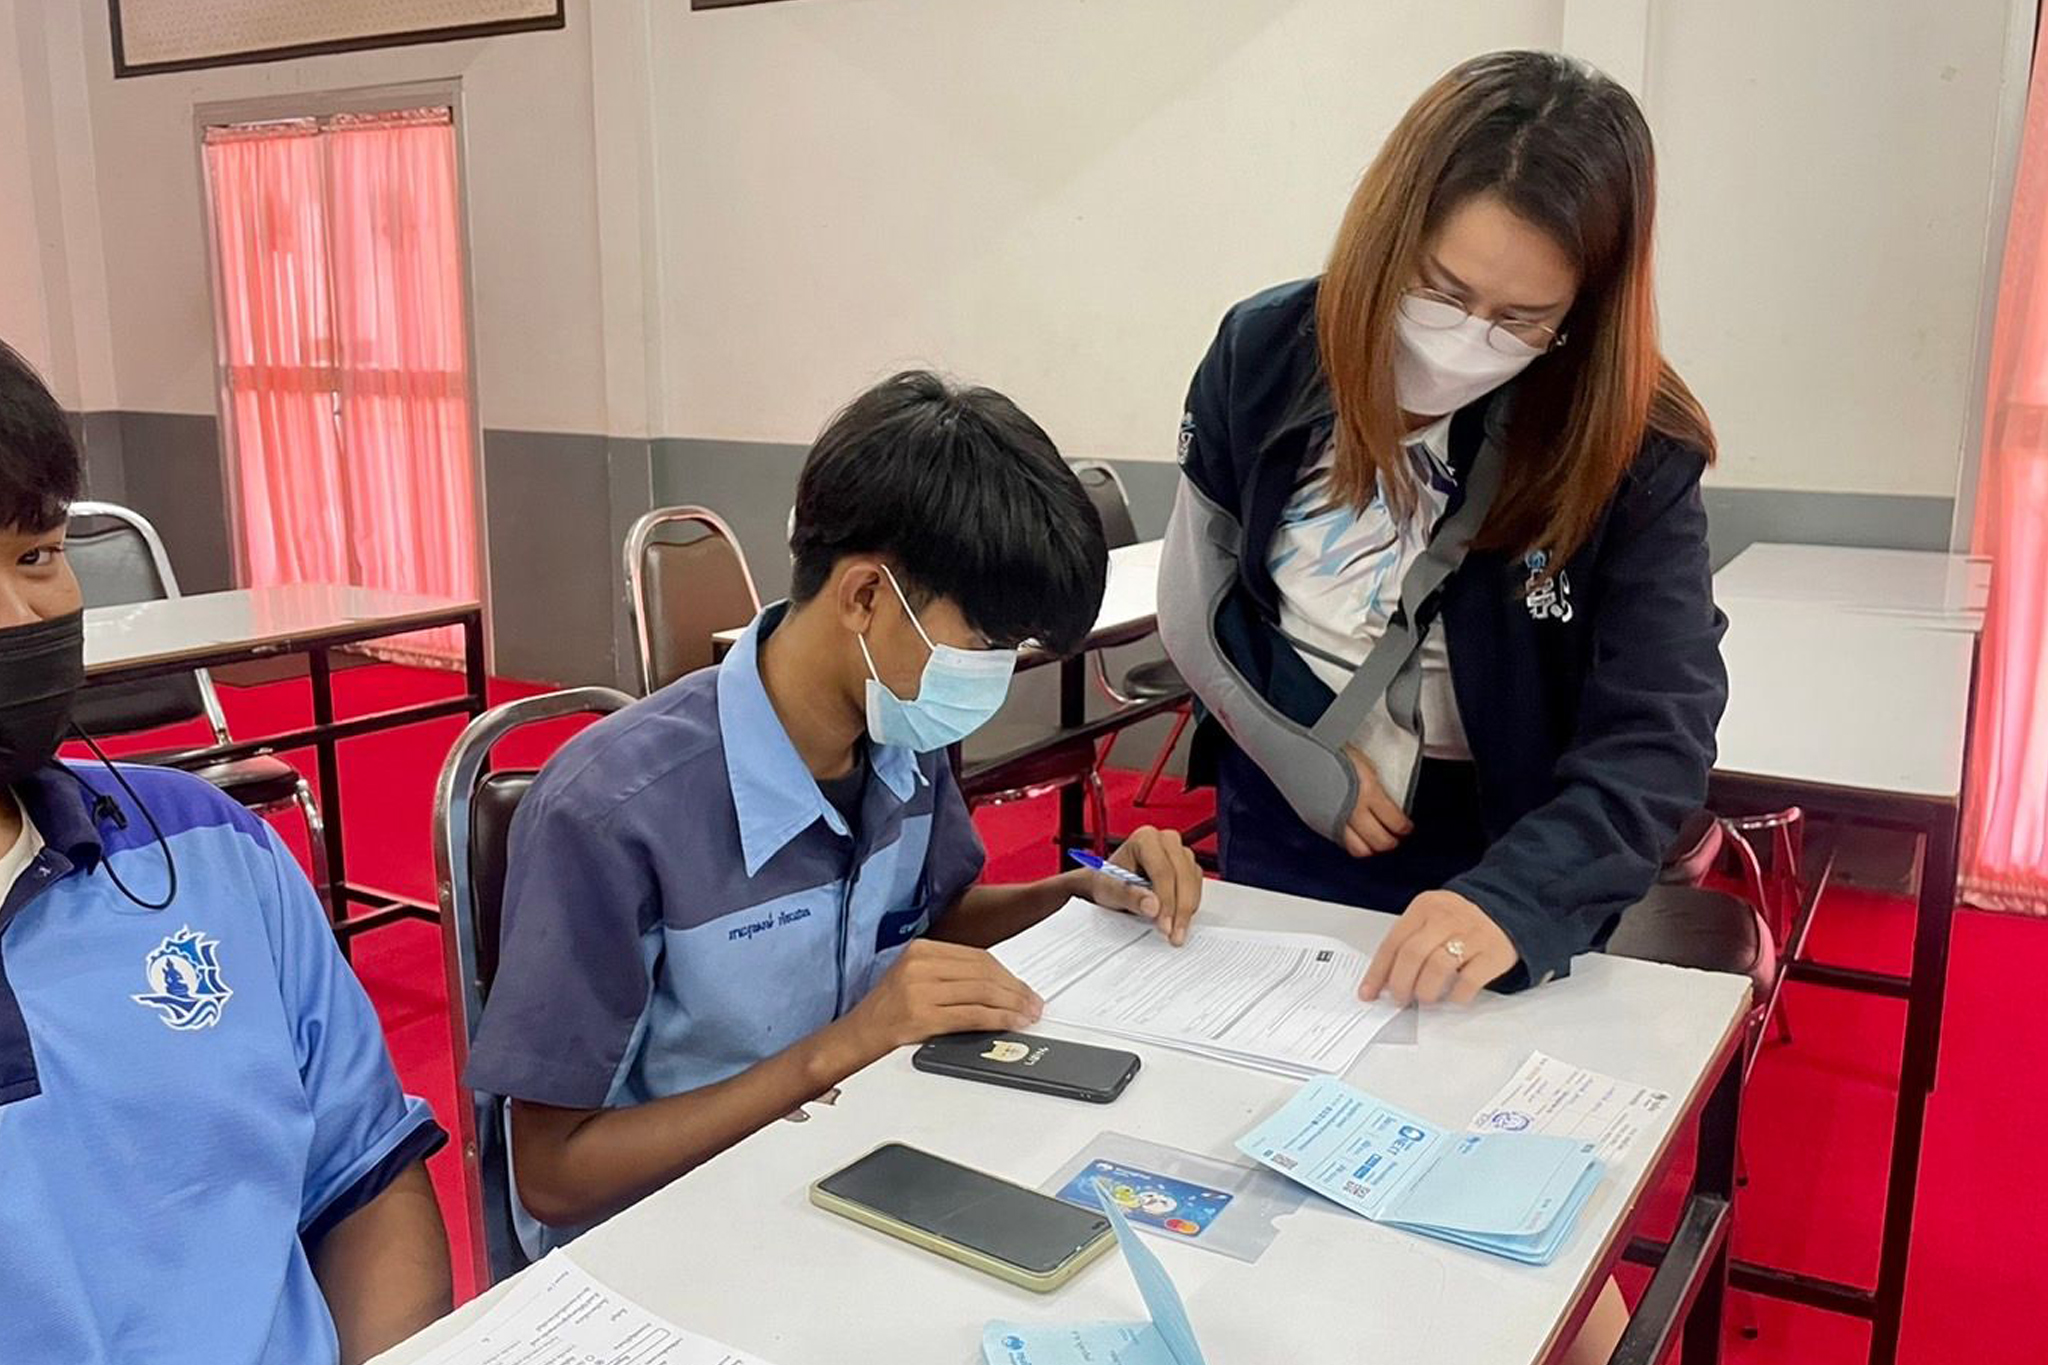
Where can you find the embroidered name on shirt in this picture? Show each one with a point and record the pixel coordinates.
(767, 922)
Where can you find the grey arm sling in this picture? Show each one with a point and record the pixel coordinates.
(1391, 739)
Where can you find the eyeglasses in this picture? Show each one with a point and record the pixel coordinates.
(1439, 312)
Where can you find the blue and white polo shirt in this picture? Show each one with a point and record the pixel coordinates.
(189, 1098)
(683, 902)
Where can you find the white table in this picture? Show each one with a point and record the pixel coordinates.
(1821, 696)
(1130, 598)
(142, 641)
(734, 1249)
(1129, 612)
(1945, 589)
(206, 630)
(1860, 715)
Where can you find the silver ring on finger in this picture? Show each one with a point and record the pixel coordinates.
(1456, 948)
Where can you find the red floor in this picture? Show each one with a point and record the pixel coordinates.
(1816, 1126)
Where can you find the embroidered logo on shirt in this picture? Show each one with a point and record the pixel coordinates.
(186, 989)
(1549, 596)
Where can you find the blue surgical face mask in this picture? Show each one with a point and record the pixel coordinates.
(957, 693)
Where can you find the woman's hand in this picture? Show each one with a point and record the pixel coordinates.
(1377, 823)
(1416, 960)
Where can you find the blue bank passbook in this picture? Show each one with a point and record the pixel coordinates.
(1512, 1194)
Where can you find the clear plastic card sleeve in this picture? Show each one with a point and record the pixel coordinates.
(1246, 1224)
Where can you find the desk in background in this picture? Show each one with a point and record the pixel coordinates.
(735, 1251)
(176, 635)
(1859, 714)
(1129, 613)
(1919, 585)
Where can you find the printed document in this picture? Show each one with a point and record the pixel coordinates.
(1276, 1001)
(1549, 1096)
(556, 1314)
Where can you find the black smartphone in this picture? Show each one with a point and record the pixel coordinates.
(1025, 1061)
(965, 1215)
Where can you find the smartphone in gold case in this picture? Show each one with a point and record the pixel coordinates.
(1021, 1236)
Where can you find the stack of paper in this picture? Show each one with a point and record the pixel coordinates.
(1168, 1339)
(1512, 1194)
(1280, 1002)
(556, 1314)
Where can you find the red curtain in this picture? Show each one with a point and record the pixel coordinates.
(2005, 848)
(346, 356)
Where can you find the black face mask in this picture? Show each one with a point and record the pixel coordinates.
(42, 668)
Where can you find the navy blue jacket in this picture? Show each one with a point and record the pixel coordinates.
(1590, 705)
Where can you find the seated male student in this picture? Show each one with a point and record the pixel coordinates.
(733, 895)
(204, 1153)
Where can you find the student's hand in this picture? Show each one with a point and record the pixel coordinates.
(1377, 822)
(1413, 962)
(1161, 858)
(936, 988)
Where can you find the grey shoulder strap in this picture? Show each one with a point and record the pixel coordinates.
(1438, 560)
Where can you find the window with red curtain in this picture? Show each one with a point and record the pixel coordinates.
(2005, 849)
(345, 356)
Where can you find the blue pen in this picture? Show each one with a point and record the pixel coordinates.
(1109, 869)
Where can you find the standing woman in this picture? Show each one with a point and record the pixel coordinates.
(1437, 570)
(1438, 561)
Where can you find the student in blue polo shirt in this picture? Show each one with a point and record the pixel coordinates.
(204, 1153)
(729, 897)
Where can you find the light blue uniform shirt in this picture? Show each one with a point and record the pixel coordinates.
(683, 902)
(189, 1098)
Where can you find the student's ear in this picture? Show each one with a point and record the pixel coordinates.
(855, 589)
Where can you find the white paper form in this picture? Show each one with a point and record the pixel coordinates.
(1549, 1096)
(1279, 1001)
(558, 1315)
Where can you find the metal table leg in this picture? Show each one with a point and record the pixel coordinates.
(326, 748)
(1687, 1296)
(1933, 923)
(474, 667)
(1073, 712)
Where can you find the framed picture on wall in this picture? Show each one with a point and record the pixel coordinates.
(178, 35)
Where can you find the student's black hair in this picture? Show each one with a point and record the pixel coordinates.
(39, 466)
(966, 498)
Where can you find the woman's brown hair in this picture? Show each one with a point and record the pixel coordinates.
(1567, 149)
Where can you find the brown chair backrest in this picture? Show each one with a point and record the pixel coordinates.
(684, 590)
(1112, 504)
(492, 806)
(474, 806)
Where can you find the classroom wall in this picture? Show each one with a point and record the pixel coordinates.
(1826, 189)
(696, 233)
(23, 311)
(52, 274)
(1061, 196)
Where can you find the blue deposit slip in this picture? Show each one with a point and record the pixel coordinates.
(1168, 1339)
(1511, 1194)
